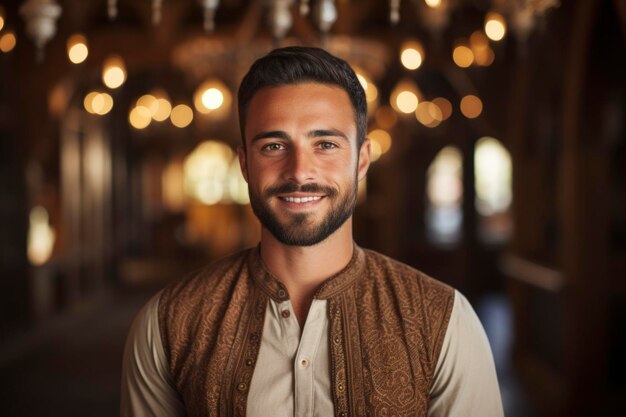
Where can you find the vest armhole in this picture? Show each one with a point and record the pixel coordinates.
(442, 331)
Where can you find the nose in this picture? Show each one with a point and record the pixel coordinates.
(300, 167)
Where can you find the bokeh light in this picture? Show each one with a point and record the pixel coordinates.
(140, 117)
(428, 114)
(7, 42)
(433, 3)
(382, 138)
(407, 101)
(150, 102)
(444, 106)
(471, 106)
(114, 72)
(77, 49)
(164, 109)
(462, 55)
(98, 103)
(412, 55)
(181, 115)
(211, 96)
(495, 26)
(371, 91)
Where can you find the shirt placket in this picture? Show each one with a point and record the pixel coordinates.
(304, 361)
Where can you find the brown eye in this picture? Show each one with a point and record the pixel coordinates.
(327, 145)
(273, 147)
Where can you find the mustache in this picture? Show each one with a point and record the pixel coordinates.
(291, 187)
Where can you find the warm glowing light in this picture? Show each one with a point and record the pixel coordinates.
(140, 117)
(495, 26)
(40, 236)
(7, 42)
(164, 110)
(485, 58)
(212, 97)
(412, 55)
(386, 117)
(492, 173)
(405, 96)
(433, 3)
(471, 106)
(102, 103)
(181, 116)
(87, 102)
(483, 54)
(1, 22)
(362, 81)
(375, 150)
(237, 185)
(444, 106)
(444, 216)
(407, 102)
(77, 49)
(98, 103)
(382, 138)
(114, 72)
(478, 41)
(206, 172)
(428, 114)
(150, 102)
(172, 186)
(371, 92)
(445, 185)
(462, 56)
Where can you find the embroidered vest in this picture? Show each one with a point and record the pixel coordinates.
(387, 322)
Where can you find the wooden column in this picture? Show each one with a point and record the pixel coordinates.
(583, 213)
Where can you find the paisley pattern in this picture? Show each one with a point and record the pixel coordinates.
(387, 323)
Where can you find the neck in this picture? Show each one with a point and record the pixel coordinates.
(302, 269)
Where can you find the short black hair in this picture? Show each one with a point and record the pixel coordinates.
(299, 64)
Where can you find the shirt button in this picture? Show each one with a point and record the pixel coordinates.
(241, 386)
(285, 314)
(336, 340)
(249, 362)
(282, 293)
(340, 387)
(304, 363)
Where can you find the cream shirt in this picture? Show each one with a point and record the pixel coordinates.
(292, 376)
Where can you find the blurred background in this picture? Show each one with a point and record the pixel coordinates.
(499, 142)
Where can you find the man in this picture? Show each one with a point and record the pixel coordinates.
(307, 323)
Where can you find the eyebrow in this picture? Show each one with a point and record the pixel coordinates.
(270, 134)
(318, 133)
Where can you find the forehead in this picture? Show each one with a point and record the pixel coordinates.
(303, 103)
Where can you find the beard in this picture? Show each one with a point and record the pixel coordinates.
(299, 229)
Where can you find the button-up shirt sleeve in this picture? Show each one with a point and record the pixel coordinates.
(147, 389)
(465, 382)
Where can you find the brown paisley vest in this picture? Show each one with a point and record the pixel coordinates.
(387, 322)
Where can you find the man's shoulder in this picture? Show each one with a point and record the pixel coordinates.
(207, 279)
(383, 267)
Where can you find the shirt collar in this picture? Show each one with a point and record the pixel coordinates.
(331, 286)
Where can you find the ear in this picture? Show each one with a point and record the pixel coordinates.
(364, 158)
(241, 154)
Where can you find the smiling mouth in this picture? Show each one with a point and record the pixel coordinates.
(300, 200)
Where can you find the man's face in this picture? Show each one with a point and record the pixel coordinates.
(301, 161)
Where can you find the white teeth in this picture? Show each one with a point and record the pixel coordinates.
(301, 200)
